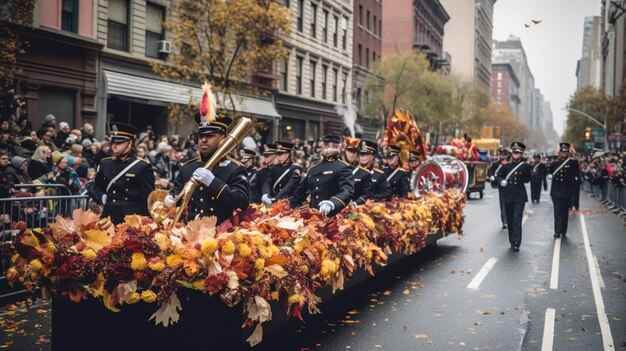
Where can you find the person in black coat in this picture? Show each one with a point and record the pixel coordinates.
(247, 159)
(381, 190)
(266, 163)
(397, 176)
(330, 182)
(512, 177)
(538, 178)
(123, 182)
(504, 158)
(284, 176)
(223, 189)
(564, 173)
(363, 185)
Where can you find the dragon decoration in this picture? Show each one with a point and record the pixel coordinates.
(402, 131)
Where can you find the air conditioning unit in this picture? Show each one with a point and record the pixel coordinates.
(164, 46)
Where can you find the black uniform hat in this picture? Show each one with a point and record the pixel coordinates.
(283, 147)
(537, 155)
(352, 144)
(331, 138)
(503, 152)
(269, 149)
(219, 125)
(368, 147)
(414, 155)
(247, 154)
(393, 150)
(564, 147)
(517, 146)
(121, 132)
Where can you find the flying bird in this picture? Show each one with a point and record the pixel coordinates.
(536, 21)
(526, 25)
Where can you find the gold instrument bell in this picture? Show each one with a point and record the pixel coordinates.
(160, 213)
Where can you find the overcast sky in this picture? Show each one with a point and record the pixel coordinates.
(552, 47)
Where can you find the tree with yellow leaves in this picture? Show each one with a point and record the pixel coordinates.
(13, 14)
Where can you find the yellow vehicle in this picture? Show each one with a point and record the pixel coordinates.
(490, 144)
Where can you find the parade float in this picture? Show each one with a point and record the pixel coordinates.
(156, 282)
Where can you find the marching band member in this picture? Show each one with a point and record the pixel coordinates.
(381, 190)
(397, 177)
(564, 175)
(538, 178)
(284, 177)
(247, 159)
(267, 160)
(350, 155)
(493, 170)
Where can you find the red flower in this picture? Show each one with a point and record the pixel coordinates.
(215, 283)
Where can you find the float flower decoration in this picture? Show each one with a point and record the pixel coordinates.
(278, 254)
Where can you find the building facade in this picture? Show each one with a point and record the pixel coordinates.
(613, 27)
(589, 67)
(60, 65)
(468, 39)
(317, 75)
(417, 25)
(538, 118)
(505, 87)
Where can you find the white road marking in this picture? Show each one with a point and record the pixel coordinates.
(605, 327)
(554, 277)
(548, 330)
(478, 278)
(600, 280)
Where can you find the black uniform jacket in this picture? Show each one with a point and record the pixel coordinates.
(330, 179)
(282, 181)
(515, 191)
(380, 186)
(398, 179)
(363, 186)
(255, 187)
(129, 193)
(228, 191)
(538, 172)
(565, 181)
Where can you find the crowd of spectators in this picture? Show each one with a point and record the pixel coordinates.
(603, 170)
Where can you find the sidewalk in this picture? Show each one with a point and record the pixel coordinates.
(25, 328)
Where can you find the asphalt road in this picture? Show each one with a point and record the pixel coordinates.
(446, 298)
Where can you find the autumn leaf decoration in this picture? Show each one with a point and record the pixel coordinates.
(208, 106)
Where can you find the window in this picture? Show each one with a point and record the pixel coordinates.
(154, 28)
(117, 36)
(335, 30)
(324, 79)
(325, 27)
(367, 57)
(299, 76)
(69, 16)
(380, 28)
(335, 78)
(284, 75)
(287, 4)
(499, 84)
(358, 98)
(300, 15)
(499, 75)
(373, 56)
(345, 88)
(361, 14)
(313, 72)
(344, 35)
(368, 20)
(359, 58)
(375, 32)
(313, 20)
(499, 92)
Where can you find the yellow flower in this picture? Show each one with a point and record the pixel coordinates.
(15, 257)
(377, 209)
(274, 295)
(295, 298)
(208, 247)
(274, 250)
(259, 264)
(156, 265)
(174, 260)
(133, 298)
(89, 254)
(238, 237)
(367, 220)
(51, 248)
(35, 265)
(138, 261)
(148, 296)
(265, 251)
(329, 267)
(162, 240)
(198, 284)
(396, 217)
(228, 248)
(12, 274)
(257, 240)
(244, 250)
(194, 253)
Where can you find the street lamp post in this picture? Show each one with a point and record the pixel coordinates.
(603, 125)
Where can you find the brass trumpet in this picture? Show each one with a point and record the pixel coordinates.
(159, 212)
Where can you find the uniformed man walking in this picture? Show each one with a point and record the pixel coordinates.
(564, 174)
(493, 170)
(381, 191)
(397, 177)
(538, 178)
(123, 181)
(512, 177)
(223, 189)
(330, 181)
(284, 177)
(247, 159)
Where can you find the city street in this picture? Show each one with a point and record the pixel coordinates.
(471, 293)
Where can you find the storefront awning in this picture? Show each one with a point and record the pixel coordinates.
(148, 89)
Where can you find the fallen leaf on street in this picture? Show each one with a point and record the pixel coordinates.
(405, 291)
(421, 336)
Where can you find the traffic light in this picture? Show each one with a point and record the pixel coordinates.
(587, 134)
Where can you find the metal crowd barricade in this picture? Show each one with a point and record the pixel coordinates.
(611, 196)
(36, 212)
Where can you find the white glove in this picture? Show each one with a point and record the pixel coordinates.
(204, 176)
(266, 200)
(169, 201)
(549, 176)
(326, 207)
(504, 183)
(104, 199)
(492, 179)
